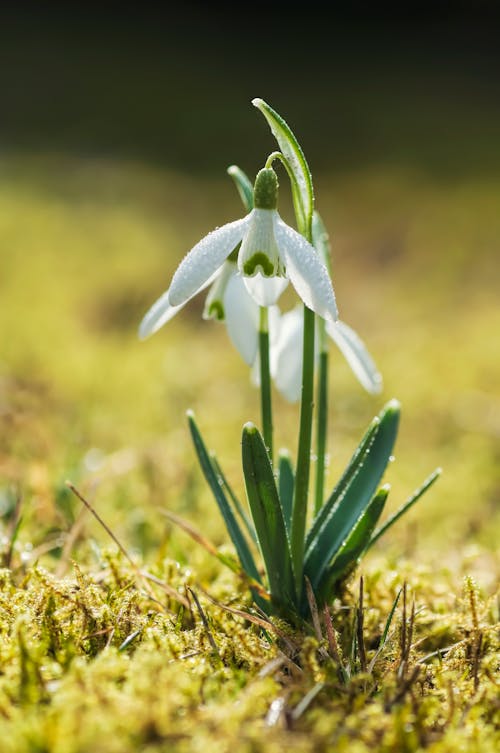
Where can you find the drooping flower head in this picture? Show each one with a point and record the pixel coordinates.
(265, 252)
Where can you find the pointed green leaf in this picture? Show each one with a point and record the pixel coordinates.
(286, 483)
(224, 483)
(356, 542)
(406, 506)
(344, 482)
(267, 515)
(243, 184)
(352, 494)
(302, 188)
(239, 541)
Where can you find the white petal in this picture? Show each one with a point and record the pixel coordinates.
(214, 302)
(242, 319)
(255, 371)
(273, 324)
(286, 355)
(306, 271)
(259, 252)
(356, 355)
(159, 314)
(204, 259)
(265, 290)
(161, 311)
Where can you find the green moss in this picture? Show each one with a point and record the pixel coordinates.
(94, 659)
(71, 682)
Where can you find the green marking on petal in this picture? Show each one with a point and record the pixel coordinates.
(215, 311)
(256, 261)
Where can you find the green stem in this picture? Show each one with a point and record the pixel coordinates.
(265, 382)
(321, 428)
(299, 514)
(320, 239)
(273, 156)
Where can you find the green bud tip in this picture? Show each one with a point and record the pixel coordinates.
(249, 428)
(266, 189)
(393, 406)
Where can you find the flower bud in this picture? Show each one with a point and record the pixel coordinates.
(265, 190)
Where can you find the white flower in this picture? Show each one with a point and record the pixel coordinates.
(227, 300)
(270, 253)
(286, 355)
(241, 315)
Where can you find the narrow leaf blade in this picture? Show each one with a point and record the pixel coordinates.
(267, 516)
(224, 483)
(243, 184)
(352, 469)
(406, 506)
(286, 484)
(239, 541)
(352, 494)
(385, 634)
(291, 150)
(356, 542)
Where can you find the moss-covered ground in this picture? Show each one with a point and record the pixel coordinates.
(156, 649)
(98, 658)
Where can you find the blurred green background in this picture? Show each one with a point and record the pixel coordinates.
(116, 130)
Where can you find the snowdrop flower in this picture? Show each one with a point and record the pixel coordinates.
(228, 300)
(286, 355)
(270, 253)
(231, 302)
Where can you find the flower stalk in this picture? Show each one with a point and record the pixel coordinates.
(321, 424)
(265, 382)
(246, 265)
(299, 514)
(320, 240)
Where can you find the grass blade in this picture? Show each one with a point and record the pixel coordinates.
(235, 532)
(385, 634)
(228, 561)
(267, 516)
